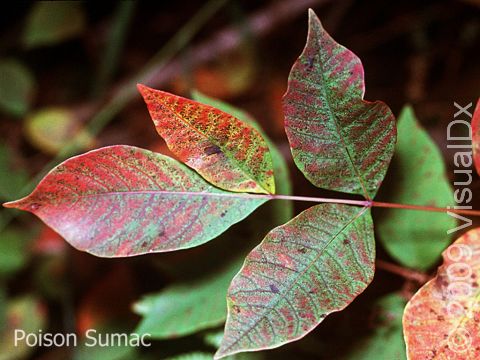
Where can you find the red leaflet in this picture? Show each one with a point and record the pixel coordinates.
(442, 320)
(125, 201)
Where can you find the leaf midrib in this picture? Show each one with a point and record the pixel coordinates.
(337, 126)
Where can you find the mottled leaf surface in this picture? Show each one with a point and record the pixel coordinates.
(476, 136)
(125, 201)
(224, 150)
(386, 339)
(416, 238)
(302, 271)
(338, 140)
(283, 184)
(214, 339)
(442, 320)
(185, 309)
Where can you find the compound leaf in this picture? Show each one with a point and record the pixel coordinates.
(302, 271)
(338, 140)
(416, 238)
(124, 201)
(224, 150)
(442, 320)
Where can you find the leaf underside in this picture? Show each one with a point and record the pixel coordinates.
(416, 238)
(123, 201)
(227, 152)
(302, 271)
(476, 136)
(338, 140)
(442, 320)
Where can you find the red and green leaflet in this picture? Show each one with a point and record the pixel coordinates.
(224, 150)
(338, 140)
(476, 136)
(442, 320)
(302, 271)
(416, 238)
(124, 201)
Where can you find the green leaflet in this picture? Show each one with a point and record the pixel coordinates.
(283, 185)
(13, 250)
(338, 140)
(416, 238)
(181, 310)
(314, 265)
(12, 180)
(51, 22)
(17, 87)
(192, 356)
(386, 340)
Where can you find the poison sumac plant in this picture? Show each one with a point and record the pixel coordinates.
(124, 201)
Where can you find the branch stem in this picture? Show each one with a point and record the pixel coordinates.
(408, 274)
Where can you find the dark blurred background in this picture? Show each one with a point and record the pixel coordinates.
(67, 84)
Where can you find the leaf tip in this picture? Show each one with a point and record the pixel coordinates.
(143, 89)
(220, 354)
(10, 204)
(13, 205)
(25, 204)
(312, 17)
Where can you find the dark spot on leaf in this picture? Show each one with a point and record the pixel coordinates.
(223, 214)
(346, 242)
(211, 150)
(144, 244)
(274, 289)
(440, 318)
(302, 250)
(311, 61)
